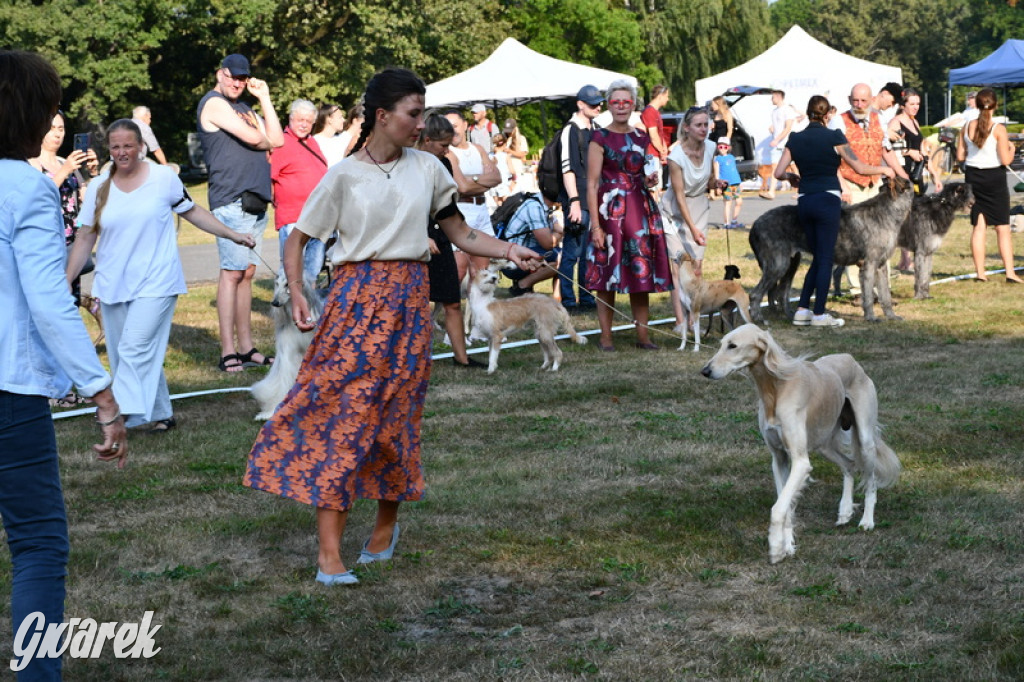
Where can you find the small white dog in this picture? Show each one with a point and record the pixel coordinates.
(493, 319)
(702, 297)
(827, 406)
(291, 345)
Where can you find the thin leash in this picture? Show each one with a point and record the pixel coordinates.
(615, 310)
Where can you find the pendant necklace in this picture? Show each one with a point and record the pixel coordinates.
(385, 171)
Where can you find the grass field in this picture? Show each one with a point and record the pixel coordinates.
(606, 522)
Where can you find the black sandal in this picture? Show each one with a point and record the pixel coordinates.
(247, 360)
(232, 364)
(162, 425)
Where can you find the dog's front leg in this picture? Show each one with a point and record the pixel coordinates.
(922, 273)
(781, 542)
(492, 360)
(696, 331)
(885, 294)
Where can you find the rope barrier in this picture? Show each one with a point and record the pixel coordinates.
(513, 344)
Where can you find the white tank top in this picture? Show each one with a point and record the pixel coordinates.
(470, 162)
(985, 156)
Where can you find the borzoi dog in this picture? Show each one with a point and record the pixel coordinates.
(827, 406)
(702, 297)
(493, 319)
(290, 343)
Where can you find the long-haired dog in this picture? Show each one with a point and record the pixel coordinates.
(493, 319)
(929, 221)
(702, 297)
(827, 406)
(290, 346)
(867, 235)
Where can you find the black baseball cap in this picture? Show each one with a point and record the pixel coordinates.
(590, 94)
(236, 64)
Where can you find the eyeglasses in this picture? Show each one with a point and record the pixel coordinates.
(620, 102)
(723, 146)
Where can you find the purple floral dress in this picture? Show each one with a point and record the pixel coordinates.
(634, 258)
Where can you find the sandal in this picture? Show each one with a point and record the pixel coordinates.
(247, 360)
(162, 425)
(232, 364)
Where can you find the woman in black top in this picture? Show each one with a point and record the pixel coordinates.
(817, 151)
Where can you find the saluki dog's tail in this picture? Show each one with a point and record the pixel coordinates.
(887, 464)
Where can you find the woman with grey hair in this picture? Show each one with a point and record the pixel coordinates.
(627, 251)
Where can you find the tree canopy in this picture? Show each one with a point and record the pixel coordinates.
(115, 54)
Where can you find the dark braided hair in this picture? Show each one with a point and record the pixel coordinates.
(384, 91)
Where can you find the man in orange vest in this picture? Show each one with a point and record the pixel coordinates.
(866, 136)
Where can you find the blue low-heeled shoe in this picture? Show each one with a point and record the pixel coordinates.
(346, 578)
(368, 557)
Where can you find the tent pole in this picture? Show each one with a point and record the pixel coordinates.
(543, 120)
(949, 97)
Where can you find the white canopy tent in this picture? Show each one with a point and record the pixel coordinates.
(514, 75)
(801, 67)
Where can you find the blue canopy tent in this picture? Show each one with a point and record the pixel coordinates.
(1004, 67)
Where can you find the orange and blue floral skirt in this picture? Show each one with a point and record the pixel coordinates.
(350, 426)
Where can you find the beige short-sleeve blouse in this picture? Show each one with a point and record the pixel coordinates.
(377, 217)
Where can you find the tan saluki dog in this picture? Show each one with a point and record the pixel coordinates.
(827, 406)
(702, 297)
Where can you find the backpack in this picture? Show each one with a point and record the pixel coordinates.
(549, 170)
(503, 214)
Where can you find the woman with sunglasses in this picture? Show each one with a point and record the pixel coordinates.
(627, 251)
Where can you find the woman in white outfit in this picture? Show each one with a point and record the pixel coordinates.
(691, 172)
(138, 276)
(474, 174)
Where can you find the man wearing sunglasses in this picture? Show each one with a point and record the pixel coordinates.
(235, 144)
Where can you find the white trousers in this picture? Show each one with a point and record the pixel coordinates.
(137, 333)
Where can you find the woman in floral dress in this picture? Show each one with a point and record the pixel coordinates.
(627, 251)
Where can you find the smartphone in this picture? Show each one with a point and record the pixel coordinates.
(83, 142)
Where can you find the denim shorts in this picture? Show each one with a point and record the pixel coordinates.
(236, 256)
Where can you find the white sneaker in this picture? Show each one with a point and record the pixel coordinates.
(827, 321)
(802, 318)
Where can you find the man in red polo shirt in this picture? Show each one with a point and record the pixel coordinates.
(295, 169)
(651, 118)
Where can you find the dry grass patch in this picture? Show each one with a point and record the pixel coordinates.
(607, 521)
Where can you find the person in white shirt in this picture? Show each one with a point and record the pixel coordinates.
(138, 277)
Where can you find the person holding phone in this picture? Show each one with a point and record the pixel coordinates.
(130, 211)
(627, 252)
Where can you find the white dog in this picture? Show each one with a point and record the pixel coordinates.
(290, 343)
(493, 319)
(827, 406)
(702, 297)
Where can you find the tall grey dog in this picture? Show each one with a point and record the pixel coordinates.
(928, 223)
(867, 235)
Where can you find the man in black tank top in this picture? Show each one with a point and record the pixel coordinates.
(235, 143)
